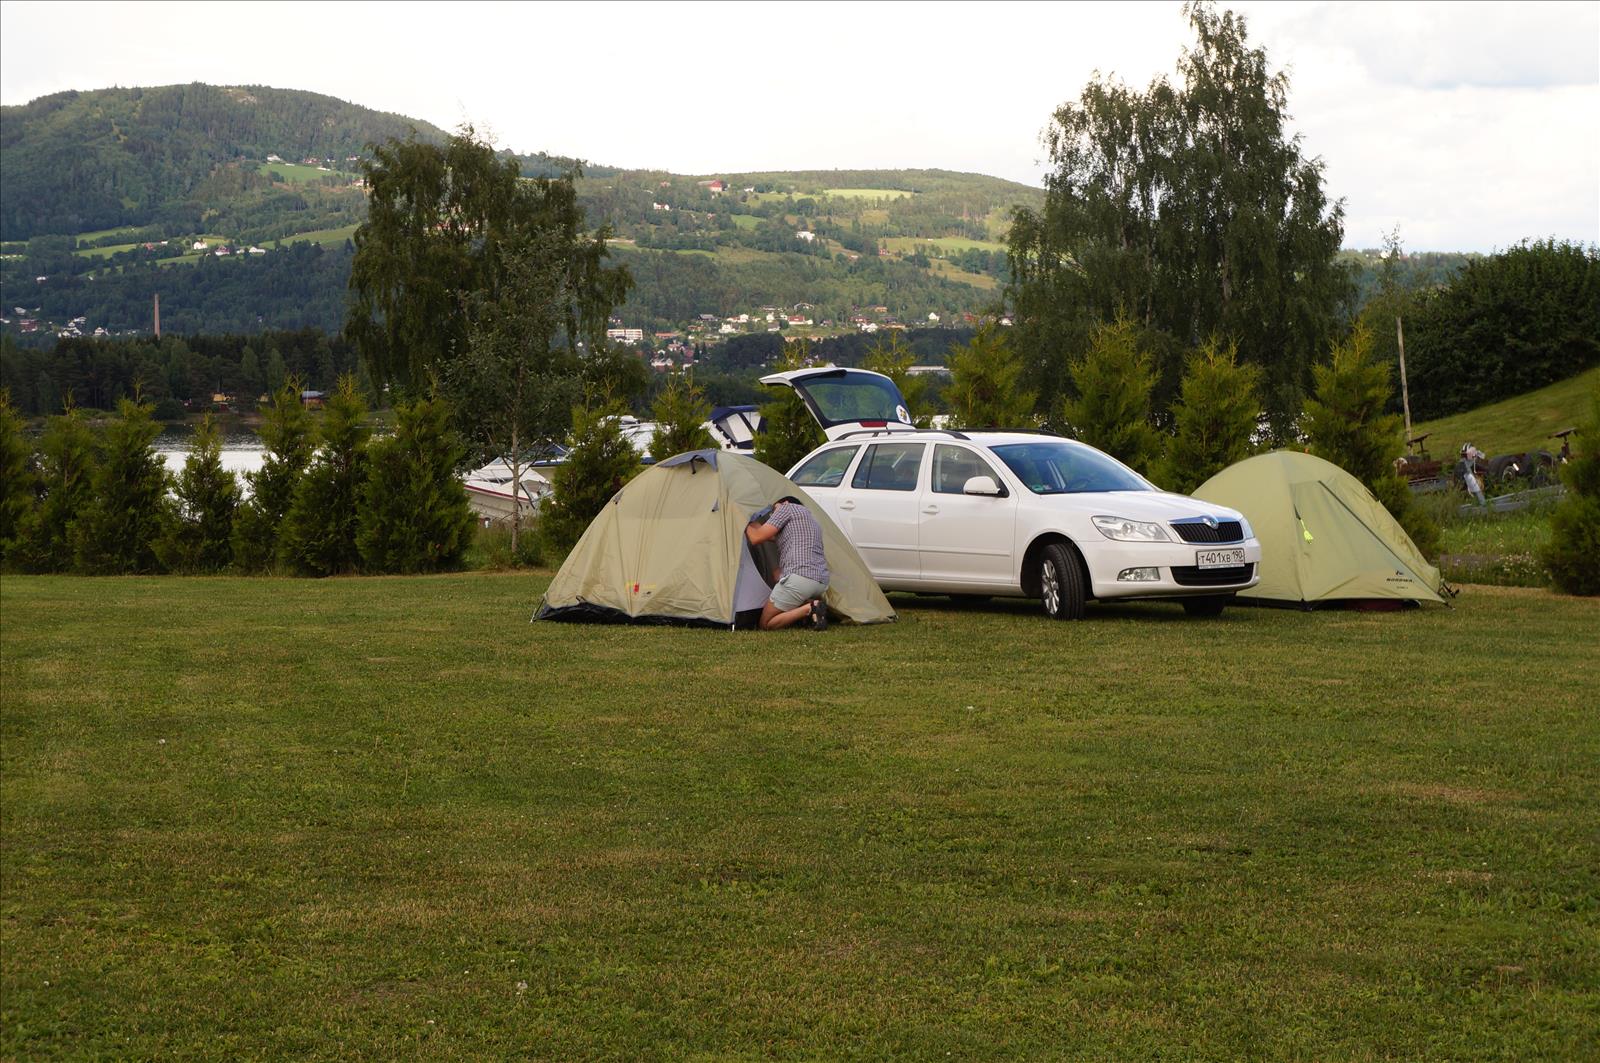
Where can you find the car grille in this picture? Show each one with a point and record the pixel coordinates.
(1190, 576)
(1226, 531)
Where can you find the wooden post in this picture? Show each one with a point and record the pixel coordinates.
(1405, 392)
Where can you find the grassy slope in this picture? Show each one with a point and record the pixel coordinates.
(1516, 424)
(407, 823)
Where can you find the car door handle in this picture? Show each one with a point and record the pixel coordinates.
(847, 504)
(930, 510)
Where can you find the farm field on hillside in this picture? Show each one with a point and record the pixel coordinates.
(299, 173)
(908, 244)
(382, 817)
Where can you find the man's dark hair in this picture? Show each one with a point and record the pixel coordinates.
(790, 498)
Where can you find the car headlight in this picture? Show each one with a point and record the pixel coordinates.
(1245, 529)
(1131, 531)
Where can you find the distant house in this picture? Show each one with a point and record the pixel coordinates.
(313, 400)
(806, 235)
(258, 250)
(933, 318)
(660, 206)
(625, 335)
(198, 245)
(274, 158)
(716, 188)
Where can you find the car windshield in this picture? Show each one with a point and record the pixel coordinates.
(1056, 467)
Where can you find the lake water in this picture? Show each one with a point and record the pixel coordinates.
(242, 452)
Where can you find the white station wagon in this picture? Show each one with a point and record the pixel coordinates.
(1016, 513)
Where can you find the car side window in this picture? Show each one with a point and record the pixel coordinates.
(954, 466)
(826, 469)
(889, 467)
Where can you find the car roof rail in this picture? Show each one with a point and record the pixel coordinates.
(953, 433)
(1021, 431)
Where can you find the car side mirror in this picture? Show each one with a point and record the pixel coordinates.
(982, 485)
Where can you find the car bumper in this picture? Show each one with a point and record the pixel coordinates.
(1123, 570)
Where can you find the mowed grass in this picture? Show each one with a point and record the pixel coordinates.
(326, 237)
(374, 818)
(1521, 423)
(300, 173)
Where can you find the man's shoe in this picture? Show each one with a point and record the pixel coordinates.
(819, 615)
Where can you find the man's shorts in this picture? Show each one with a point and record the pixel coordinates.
(795, 590)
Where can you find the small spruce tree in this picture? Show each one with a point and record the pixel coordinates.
(289, 439)
(414, 515)
(1215, 416)
(788, 431)
(1113, 381)
(318, 533)
(894, 360)
(680, 412)
(600, 463)
(1573, 553)
(986, 384)
(129, 510)
(1345, 423)
(66, 463)
(200, 538)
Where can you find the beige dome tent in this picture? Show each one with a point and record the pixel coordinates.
(670, 548)
(1324, 537)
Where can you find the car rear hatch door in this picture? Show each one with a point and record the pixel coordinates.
(847, 400)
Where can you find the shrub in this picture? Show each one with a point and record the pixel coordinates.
(66, 463)
(19, 482)
(600, 463)
(414, 515)
(290, 440)
(680, 412)
(986, 384)
(200, 538)
(128, 511)
(788, 431)
(1112, 411)
(1345, 423)
(1573, 555)
(1214, 417)
(318, 535)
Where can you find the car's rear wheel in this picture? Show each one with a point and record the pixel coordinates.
(1207, 605)
(1060, 583)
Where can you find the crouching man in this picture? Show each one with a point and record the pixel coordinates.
(802, 576)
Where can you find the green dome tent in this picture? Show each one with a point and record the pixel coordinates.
(670, 548)
(1324, 537)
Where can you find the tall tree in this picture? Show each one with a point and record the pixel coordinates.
(1113, 380)
(986, 384)
(513, 380)
(1346, 423)
(1189, 208)
(199, 538)
(1213, 420)
(129, 510)
(318, 533)
(444, 223)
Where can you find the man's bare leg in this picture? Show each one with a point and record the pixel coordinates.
(772, 618)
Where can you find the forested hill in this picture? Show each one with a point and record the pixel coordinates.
(81, 161)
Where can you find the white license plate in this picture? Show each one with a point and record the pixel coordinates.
(1219, 558)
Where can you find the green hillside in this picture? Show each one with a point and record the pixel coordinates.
(78, 161)
(1523, 422)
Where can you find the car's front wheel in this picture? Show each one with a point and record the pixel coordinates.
(1208, 605)
(1060, 583)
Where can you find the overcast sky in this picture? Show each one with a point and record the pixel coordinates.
(1469, 126)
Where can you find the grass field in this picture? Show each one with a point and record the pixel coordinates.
(370, 818)
(299, 173)
(325, 237)
(1520, 423)
(908, 244)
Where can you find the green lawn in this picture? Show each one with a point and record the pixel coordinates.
(326, 237)
(1520, 423)
(381, 818)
